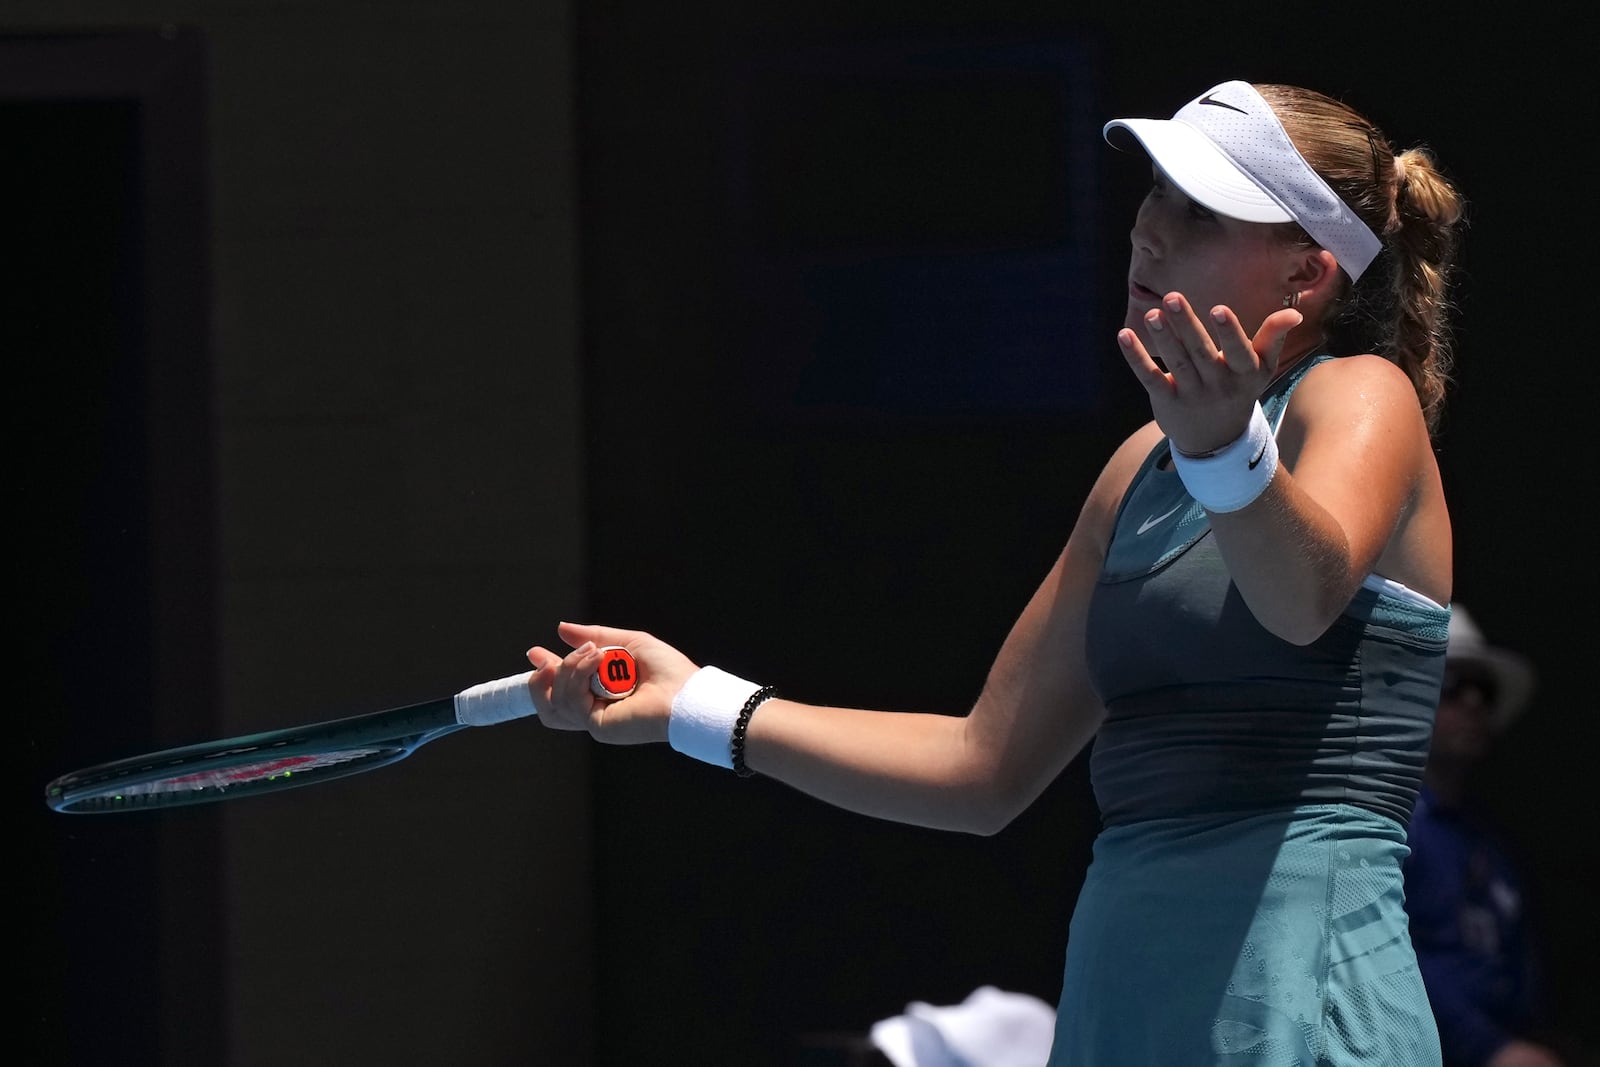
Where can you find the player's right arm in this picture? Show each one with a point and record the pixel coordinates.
(972, 772)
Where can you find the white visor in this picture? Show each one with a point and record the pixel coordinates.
(1227, 151)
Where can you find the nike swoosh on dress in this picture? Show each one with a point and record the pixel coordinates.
(1154, 519)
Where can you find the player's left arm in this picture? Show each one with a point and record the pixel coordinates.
(1355, 458)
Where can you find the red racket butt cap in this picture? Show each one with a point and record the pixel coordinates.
(617, 674)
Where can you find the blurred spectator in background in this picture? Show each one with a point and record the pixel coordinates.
(1465, 897)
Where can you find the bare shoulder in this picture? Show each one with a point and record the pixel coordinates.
(1363, 397)
(1361, 413)
(1124, 462)
(1356, 382)
(1099, 512)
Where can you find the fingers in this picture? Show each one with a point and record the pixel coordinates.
(1139, 361)
(562, 693)
(540, 658)
(1237, 355)
(1201, 375)
(1187, 346)
(547, 671)
(560, 685)
(575, 634)
(1246, 353)
(1268, 341)
(570, 689)
(1204, 353)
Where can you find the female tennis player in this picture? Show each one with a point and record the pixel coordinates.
(1248, 620)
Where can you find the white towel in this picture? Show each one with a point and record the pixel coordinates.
(991, 1028)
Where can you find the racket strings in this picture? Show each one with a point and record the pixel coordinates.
(271, 770)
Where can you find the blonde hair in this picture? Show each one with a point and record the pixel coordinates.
(1401, 308)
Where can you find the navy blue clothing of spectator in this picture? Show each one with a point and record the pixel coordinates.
(1464, 894)
(1467, 922)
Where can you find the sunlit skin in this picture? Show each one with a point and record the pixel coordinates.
(1202, 315)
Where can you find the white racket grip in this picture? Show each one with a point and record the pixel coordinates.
(501, 700)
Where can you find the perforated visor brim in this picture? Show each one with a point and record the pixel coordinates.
(1199, 168)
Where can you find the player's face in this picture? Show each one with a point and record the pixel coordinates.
(1209, 258)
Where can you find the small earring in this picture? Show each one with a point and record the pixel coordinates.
(1292, 300)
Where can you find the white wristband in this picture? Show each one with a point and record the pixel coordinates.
(704, 714)
(1237, 473)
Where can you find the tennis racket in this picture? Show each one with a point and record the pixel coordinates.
(252, 764)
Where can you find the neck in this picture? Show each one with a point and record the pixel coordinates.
(1292, 358)
(1296, 349)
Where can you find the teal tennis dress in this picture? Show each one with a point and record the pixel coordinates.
(1245, 905)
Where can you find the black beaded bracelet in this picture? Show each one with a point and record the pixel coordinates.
(741, 724)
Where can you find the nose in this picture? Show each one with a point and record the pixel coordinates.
(1143, 236)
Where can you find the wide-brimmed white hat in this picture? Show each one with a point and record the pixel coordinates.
(1513, 673)
(1227, 150)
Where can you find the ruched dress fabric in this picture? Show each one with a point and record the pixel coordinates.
(1244, 906)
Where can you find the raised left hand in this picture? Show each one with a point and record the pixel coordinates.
(1214, 371)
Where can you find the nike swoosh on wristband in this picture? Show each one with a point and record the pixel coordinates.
(1259, 455)
(1146, 524)
(1209, 99)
